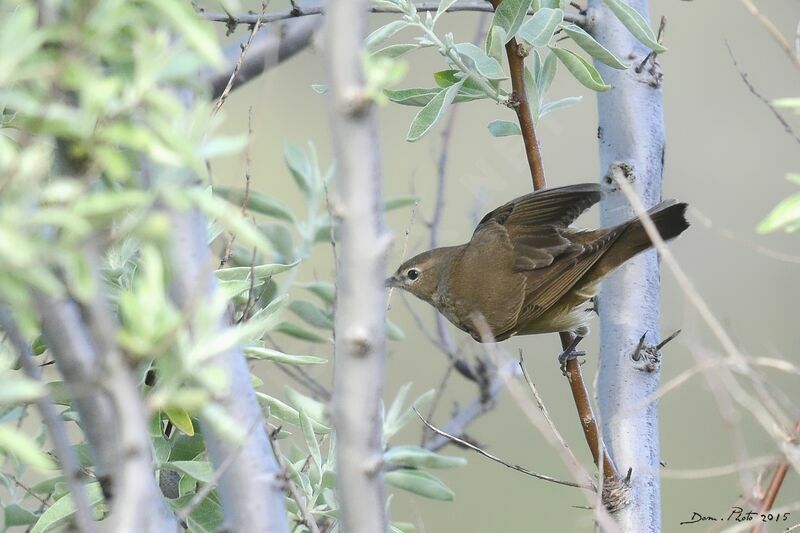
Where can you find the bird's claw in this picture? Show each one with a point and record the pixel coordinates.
(566, 355)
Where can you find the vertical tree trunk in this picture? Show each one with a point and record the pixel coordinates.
(361, 300)
(631, 136)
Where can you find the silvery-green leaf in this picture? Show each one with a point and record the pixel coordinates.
(16, 515)
(788, 103)
(64, 508)
(583, 71)
(15, 442)
(784, 215)
(532, 90)
(288, 414)
(319, 88)
(420, 483)
(230, 217)
(393, 332)
(432, 112)
(559, 104)
(382, 34)
(257, 202)
(503, 128)
(495, 40)
(310, 314)
(420, 97)
(199, 470)
(539, 29)
(259, 272)
(299, 166)
(395, 50)
(474, 57)
(444, 5)
(275, 356)
(592, 47)
(396, 202)
(299, 332)
(417, 457)
(316, 410)
(636, 24)
(306, 424)
(323, 289)
(547, 73)
(509, 15)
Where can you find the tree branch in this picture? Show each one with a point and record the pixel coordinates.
(250, 486)
(301, 11)
(55, 425)
(631, 138)
(360, 313)
(776, 483)
(267, 50)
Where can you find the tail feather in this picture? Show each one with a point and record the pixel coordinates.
(670, 219)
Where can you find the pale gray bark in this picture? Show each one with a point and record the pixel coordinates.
(631, 136)
(361, 299)
(249, 486)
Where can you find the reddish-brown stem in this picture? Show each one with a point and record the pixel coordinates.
(776, 483)
(519, 100)
(588, 422)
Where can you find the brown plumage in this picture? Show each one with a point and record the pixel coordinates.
(525, 271)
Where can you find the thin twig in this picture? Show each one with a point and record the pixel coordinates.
(55, 425)
(758, 95)
(772, 30)
(245, 47)
(776, 483)
(252, 18)
(246, 196)
(496, 459)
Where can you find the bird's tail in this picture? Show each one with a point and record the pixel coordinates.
(670, 219)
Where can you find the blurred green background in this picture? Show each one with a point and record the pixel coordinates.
(726, 155)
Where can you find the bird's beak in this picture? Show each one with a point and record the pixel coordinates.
(392, 282)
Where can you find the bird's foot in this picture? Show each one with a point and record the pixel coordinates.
(570, 353)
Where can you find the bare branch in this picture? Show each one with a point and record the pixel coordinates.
(773, 31)
(465, 444)
(360, 314)
(55, 425)
(310, 522)
(303, 11)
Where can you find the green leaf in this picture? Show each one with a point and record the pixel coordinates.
(300, 332)
(181, 419)
(256, 202)
(324, 290)
(384, 33)
(417, 457)
(316, 410)
(307, 426)
(788, 103)
(62, 511)
(547, 73)
(393, 332)
(444, 5)
(319, 88)
(420, 97)
(486, 66)
(279, 357)
(204, 518)
(559, 104)
(539, 29)
(19, 389)
(310, 314)
(25, 449)
(783, 215)
(399, 415)
(200, 470)
(420, 483)
(259, 272)
(583, 71)
(299, 166)
(396, 202)
(592, 47)
(636, 24)
(16, 515)
(395, 50)
(432, 112)
(495, 39)
(504, 128)
(288, 414)
(195, 32)
(509, 15)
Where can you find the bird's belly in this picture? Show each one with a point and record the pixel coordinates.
(571, 313)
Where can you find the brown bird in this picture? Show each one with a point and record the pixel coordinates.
(525, 271)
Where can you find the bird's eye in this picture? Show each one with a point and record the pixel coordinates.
(412, 274)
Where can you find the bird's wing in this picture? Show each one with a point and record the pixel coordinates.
(557, 207)
(546, 285)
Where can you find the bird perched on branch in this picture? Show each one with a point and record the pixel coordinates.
(525, 271)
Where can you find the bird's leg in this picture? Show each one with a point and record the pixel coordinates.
(570, 353)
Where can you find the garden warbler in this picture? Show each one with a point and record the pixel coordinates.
(525, 271)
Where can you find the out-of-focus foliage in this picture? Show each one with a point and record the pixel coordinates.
(785, 215)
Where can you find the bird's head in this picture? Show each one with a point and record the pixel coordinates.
(421, 274)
